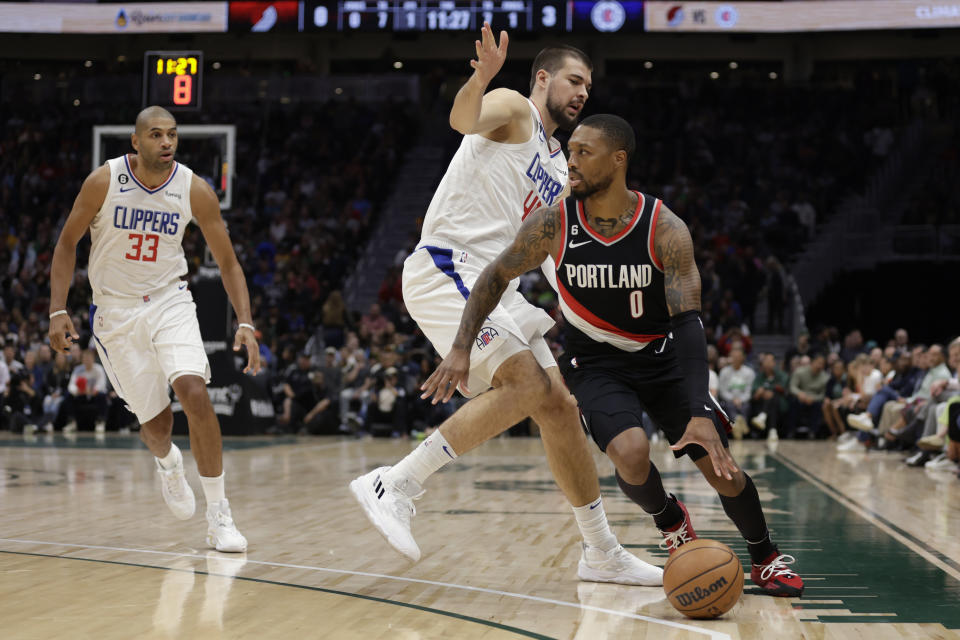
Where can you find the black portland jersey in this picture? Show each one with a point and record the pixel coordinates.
(611, 289)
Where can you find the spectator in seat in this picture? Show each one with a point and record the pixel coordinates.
(835, 389)
(57, 382)
(375, 329)
(334, 319)
(297, 392)
(802, 348)
(944, 393)
(769, 396)
(387, 405)
(808, 387)
(85, 404)
(905, 379)
(735, 388)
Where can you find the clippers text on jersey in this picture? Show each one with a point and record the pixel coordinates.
(546, 188)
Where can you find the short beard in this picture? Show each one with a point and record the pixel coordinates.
(559, 114)
(587, 189)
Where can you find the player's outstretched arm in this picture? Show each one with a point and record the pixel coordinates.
(495, 114)
(681, 280)
(92, 194)
(538, 237)
(206, 212)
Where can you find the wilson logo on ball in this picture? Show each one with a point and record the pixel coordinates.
(698, 594)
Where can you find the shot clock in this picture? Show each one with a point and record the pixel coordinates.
(173, 79)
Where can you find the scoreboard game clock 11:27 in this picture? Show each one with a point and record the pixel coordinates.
(173, 79)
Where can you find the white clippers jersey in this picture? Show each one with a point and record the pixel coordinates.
(137, 234)
(490, 187)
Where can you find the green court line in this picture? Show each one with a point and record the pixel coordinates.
(449, 614)
(817, 481)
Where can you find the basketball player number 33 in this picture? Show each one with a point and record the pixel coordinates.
(144, 247)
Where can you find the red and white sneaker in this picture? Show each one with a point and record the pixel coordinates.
(679, 533)
(776, 578)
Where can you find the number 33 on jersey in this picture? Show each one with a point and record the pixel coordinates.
(136, 237)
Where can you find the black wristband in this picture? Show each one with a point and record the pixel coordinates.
(691, 349)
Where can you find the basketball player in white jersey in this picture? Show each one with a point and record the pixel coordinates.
(507, 166)
(143, 317)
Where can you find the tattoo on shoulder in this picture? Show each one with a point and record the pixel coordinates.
(674, 247)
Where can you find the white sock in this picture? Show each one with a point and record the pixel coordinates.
(213, 488)
(592, 521)
(422, 462)
(172, 459)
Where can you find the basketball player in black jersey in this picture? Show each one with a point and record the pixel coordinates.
(630, 292)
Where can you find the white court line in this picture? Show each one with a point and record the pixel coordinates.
(714, 635)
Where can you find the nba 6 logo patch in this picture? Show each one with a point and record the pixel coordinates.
(486, 336)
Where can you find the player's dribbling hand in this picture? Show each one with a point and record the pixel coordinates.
(702, 432)
(62, 334)
(451, 373)
(246, 338)
(490, 55)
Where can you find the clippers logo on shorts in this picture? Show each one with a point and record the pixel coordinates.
(486, 336)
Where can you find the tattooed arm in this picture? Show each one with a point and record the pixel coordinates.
(681, 281)
(539, 236)
(674, 247)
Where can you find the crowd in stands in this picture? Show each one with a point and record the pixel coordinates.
(895, 396)
(753, 171)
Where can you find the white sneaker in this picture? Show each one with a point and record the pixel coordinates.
(851, 445)
(389, 508)
(100, 427)
(70, 427)
(618, 565)
(760, 421)
(176, 492)
(846, 436)
(772, 435)
(862, 421)
(222, 533)
(941, 463)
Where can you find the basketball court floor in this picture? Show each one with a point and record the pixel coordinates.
(89, 550)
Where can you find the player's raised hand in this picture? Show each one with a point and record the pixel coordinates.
(451, 373)
(702, 432)
(490, 55)
(62, 333)
(245, 337)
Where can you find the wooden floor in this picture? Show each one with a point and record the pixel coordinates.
(88, 550)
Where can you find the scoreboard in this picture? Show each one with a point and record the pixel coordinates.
(601, 16)
(550, 16)
(172, 79)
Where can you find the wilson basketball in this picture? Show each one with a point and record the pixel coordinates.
(703, 579)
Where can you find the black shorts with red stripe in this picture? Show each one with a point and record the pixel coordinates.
(613, 390)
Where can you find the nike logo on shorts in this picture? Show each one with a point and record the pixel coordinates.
(574, 245)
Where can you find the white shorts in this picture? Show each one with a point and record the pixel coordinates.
(146, 344)
(436, 283)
